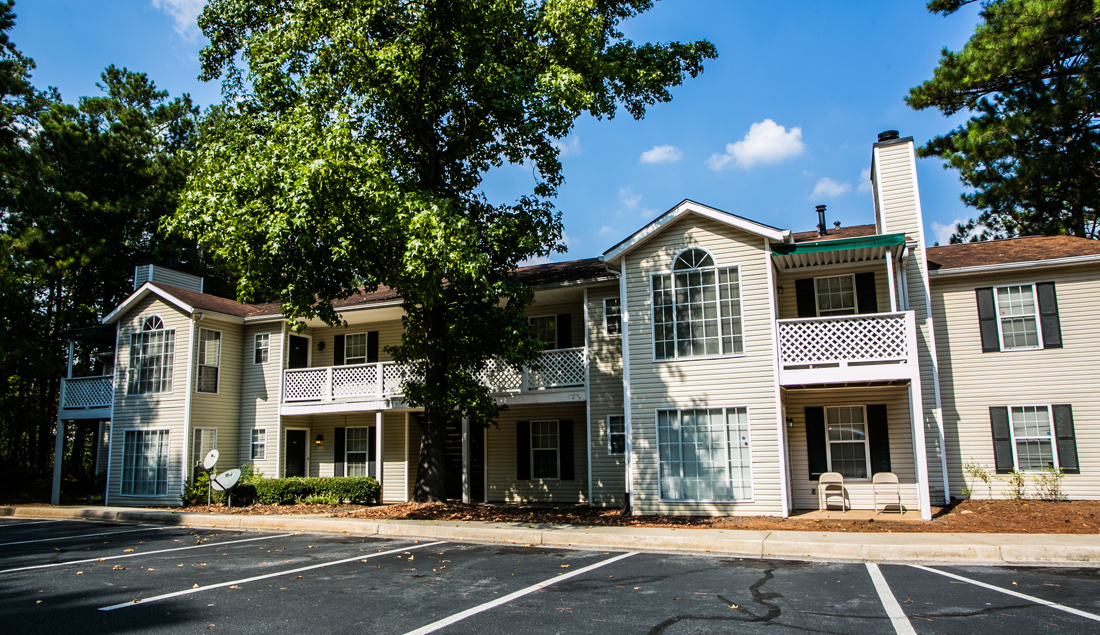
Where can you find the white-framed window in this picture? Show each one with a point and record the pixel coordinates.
(846, 435)
(705, 454)
(202, 441)
(616, 434)
(1033, 448)
(355, 348)
(210, 354)
(1017, 317)
(836, 295)
(151, 354)
(545, 459)
(261, 348)
(144, 463)
(546, 330)
(697, 309)
(356, 445)
(612, 317)
(259, 444)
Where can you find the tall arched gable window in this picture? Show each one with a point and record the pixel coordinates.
(697, 308)
(151, 354)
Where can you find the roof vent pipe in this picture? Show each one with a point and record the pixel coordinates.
(822, 228)
(887, 135)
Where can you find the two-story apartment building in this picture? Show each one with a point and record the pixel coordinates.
(708, 364)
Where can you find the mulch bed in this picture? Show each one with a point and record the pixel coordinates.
(971, 516)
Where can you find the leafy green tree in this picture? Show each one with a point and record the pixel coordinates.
(353, 147)
(1030, 77)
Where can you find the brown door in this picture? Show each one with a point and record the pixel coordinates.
(299, 352)
(295, 453)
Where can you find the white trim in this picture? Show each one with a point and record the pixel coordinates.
(718, 306)
(252, 443)
(218, 365)
(465, 460)
(1052, 438)
(283, 449)
(188, 397)
(283, 356)
(891, 280)
(817, 295)
(557, 449)
(689, 206)
(135, 297)
(1035, 315)
(309, 350)
(866, 441)
(167, 459)
(405, 449)
(365, 453)
(256, 336)
(607, 423)
(111, 431)
(1012, 266)
(624, 336)
(378, 423)
(657, 448)
(605, 322)
(588, 388)
(786, 496)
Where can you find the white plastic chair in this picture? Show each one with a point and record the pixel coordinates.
(885, 484)
(830, 483)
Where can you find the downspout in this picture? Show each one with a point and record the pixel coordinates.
(588, 394)
(111, 430)
(780, 420)
(624, 320)
(187, 406)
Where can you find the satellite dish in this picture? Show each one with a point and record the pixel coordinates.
(211, 460)
(226, 480)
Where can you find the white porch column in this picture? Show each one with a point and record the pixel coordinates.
(378, 450)
(58, 453)
(466, 460)
(891, 279)
(920, 449)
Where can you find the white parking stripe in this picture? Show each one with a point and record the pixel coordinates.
(36, 522)
(362, 556)
(458, 617)
(102, 533)
(889, 602)
(1015, 594)
(142, 553)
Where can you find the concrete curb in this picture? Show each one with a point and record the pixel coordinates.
(900, 548)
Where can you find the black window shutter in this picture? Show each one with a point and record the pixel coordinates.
(866, 297)
(806, 296)
(338, 446)
(1048, 315)
(1002, 439)
(523, 450)
(1065, 438)
(815, 442)
(565, 330)
(338, 350)
(565, 449)
(372, 347)
(878, 438)
(987, 320)
(372, 445)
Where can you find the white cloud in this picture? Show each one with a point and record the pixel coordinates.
(535, 260)
(766, 142)
(184, 12)
(569, 146)
(628, 198)
(661, 154)
(648, 213)
(828, 188)
(605, 230)
(865, 180)
(942, 233)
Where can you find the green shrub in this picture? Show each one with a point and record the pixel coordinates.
(253, 490)
(320, 499)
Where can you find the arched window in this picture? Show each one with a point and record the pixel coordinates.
(697, 308)
(151, 354)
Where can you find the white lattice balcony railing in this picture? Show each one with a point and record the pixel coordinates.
(86, 393)
(562, 368)
(875, 338)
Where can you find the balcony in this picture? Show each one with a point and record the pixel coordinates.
(849, 348)
(86, 397)
(381, 386)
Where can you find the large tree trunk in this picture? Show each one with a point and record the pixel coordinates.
(431, 485)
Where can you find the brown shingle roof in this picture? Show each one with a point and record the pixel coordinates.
(855, 231)
(534, 275)
(999, 252)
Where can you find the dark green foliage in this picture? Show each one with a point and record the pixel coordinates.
(357, 490)
(1030, 79)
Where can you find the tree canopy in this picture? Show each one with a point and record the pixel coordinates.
(353, 145)
(1030, 78)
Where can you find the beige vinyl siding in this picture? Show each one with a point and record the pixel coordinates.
(746, 381)
(393, 457)
(973, 381)
(899, 202)
(788, 300)
(220, 411)
(605, 373)
(500, 471)
(389, 334)
(576, 318)
(163, 411)
(155, 274)
(860, 494)
(259, 407)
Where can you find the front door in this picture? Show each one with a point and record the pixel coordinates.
(295, 453)
(299, 352)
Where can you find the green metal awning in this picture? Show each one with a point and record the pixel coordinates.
(837, 251)
(94, 334)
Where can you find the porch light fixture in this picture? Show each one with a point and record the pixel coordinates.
(319, 439)
(320, 346)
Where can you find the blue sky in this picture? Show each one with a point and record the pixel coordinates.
(782, 121)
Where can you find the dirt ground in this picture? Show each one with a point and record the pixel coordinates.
(976, 516)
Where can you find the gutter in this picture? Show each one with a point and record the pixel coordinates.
(1013, 266)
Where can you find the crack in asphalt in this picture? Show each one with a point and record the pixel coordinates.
(986, 611)
(758, 596)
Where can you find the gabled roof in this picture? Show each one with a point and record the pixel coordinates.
(853, 231)
(1012, 253)
(685, 207)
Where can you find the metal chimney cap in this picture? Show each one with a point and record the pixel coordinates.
(820, 208)
(887, 135)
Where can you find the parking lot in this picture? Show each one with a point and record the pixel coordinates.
(99, 577)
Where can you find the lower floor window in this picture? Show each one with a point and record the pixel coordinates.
(704, 454)
(848, 451)
(616, 434)
(145, 463)
(259, 444)
(544, 449)
(356, 446)
(1031, 434)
